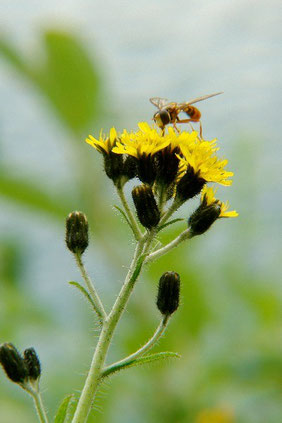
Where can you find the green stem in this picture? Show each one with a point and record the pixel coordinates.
(94, 375)
(173, 244)
(175, 205)
(130, 215)
(145, 348)
(92, 291)
(38, 403)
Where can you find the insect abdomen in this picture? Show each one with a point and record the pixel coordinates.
(193, 112)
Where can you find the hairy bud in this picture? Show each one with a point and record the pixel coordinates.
(77, 232)
(168, 293)
(13, 363)
(203, 217)
(32, 363)
(189, 185)
(146, 206)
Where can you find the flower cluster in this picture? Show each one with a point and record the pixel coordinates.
(174, 165)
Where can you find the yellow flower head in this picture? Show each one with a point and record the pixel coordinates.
(208, 198)
(103, 144)
(147, 141)
(201, 156)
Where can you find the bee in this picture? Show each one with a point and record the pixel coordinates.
(168, 111)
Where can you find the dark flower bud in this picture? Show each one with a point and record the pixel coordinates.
(113, 165)
(168, 293)
(167, 164)
(13, 363)
(146, 206)
(189, 185)
(203, 217)
(32, 363)
(77, 232)
(146, 168)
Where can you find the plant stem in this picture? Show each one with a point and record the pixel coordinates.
(94, 375)
(130, 215)
(92, 291)
(38, 403)
(182, 237)
(145, 348)
(175, 205)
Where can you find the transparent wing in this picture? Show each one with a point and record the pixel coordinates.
(196, 100)
(159, 102)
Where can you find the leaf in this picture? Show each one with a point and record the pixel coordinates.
(124, 215)
(31, 195)
(84, 292)
(171, 222)
(140, 361)
(66, 76)
(66, 410)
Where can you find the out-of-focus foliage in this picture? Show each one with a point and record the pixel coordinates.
(228, 329)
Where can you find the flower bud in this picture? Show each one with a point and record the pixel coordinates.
(203, 217)
(189, 185)
(168, 293)
(13, 363)
(77, 232)
(146, 206)
(32, 363)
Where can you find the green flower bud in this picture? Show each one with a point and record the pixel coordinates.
(77, 232)
(168, 293)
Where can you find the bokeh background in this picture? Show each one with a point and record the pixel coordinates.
(68, 69)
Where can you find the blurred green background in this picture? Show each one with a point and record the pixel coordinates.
(68, 70)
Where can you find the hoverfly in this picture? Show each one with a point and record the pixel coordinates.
(168, 111)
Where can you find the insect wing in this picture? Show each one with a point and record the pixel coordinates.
(196, 100)
(159, 102)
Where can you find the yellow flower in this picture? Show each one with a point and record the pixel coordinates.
(103, 144)
(208, 198)
(201, 156)
(147, 141)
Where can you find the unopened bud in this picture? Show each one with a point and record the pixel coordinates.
(203, 217)
(77, 232)
(189, 185)
(13, 363)
(168, 293)
(32, 363)
(146, 206)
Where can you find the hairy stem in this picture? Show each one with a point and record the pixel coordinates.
(42, 416)
(92, 291)
(130, 215)
(173, 244)
(94, 375)
(145, 348)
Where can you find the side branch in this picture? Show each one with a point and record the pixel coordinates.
(182, 237)
(99, 308)
(130, 215)
(150, 344)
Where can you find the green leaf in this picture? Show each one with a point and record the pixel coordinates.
(66, 410)
(84, 292)
(171, 222)
(147, 359)
(65, 75)
(31, 195)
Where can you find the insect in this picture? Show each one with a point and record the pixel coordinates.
(168, 111)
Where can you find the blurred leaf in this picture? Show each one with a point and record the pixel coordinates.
(31, 195)
(66, 76)
(140, 361)
(66, 410)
